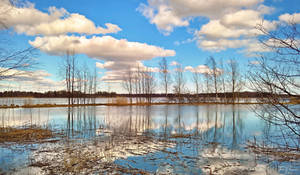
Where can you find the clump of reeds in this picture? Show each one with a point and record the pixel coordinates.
(120, 101)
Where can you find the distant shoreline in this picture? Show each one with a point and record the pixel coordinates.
(64, 94)
(128, 104)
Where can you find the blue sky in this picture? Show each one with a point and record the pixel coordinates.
(141, 33)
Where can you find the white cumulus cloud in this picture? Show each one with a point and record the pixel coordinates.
(231, 23)
(165, 19)
(105, 47)
(167, 14)
(25, 18)
(116, 72)
(290, 18)
(118, 55)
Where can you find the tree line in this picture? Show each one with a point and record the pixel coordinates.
(100, 94)
(209, 80)
(55, 94)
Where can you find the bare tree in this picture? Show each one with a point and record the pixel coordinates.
(79, 84)
(140, 83)
(128, 80)
(235, 78)
(165, 75)
(179, 82)
(85, 80)
(197, 83)
(223, 80)
(90, 87)
(207, 82)
(13, 62)
(68, 72)
(149, 84)
(137, 79)
(277, 74)
(214, 74)
(95, 80)
(72, 73)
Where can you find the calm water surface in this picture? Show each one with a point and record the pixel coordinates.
(158, 139)
(23, 101)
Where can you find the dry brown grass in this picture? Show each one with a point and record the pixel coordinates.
(294, 101)
(281, 154)
(30, 134)
(181, 135)
(120, 101)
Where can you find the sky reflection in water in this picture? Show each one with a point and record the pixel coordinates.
(203, 136)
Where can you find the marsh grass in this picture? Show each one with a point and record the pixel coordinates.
(96, 157)
(188, 135)
(294, 101)
(280, 154)
(21, 135)
(120, 101)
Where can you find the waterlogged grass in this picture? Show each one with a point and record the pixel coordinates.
(280, 154)
(21, 135)
(95, 157)
(179, 135)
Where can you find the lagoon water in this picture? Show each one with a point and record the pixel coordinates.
(162, 139)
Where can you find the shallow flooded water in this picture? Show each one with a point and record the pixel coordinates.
(20, 101)
(161, 139)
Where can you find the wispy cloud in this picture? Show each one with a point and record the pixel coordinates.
(38, 80)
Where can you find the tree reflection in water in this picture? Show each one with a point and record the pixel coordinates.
(163, 138)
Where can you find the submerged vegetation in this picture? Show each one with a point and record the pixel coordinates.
(25, 135)
(281, 154)
(96, 156)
